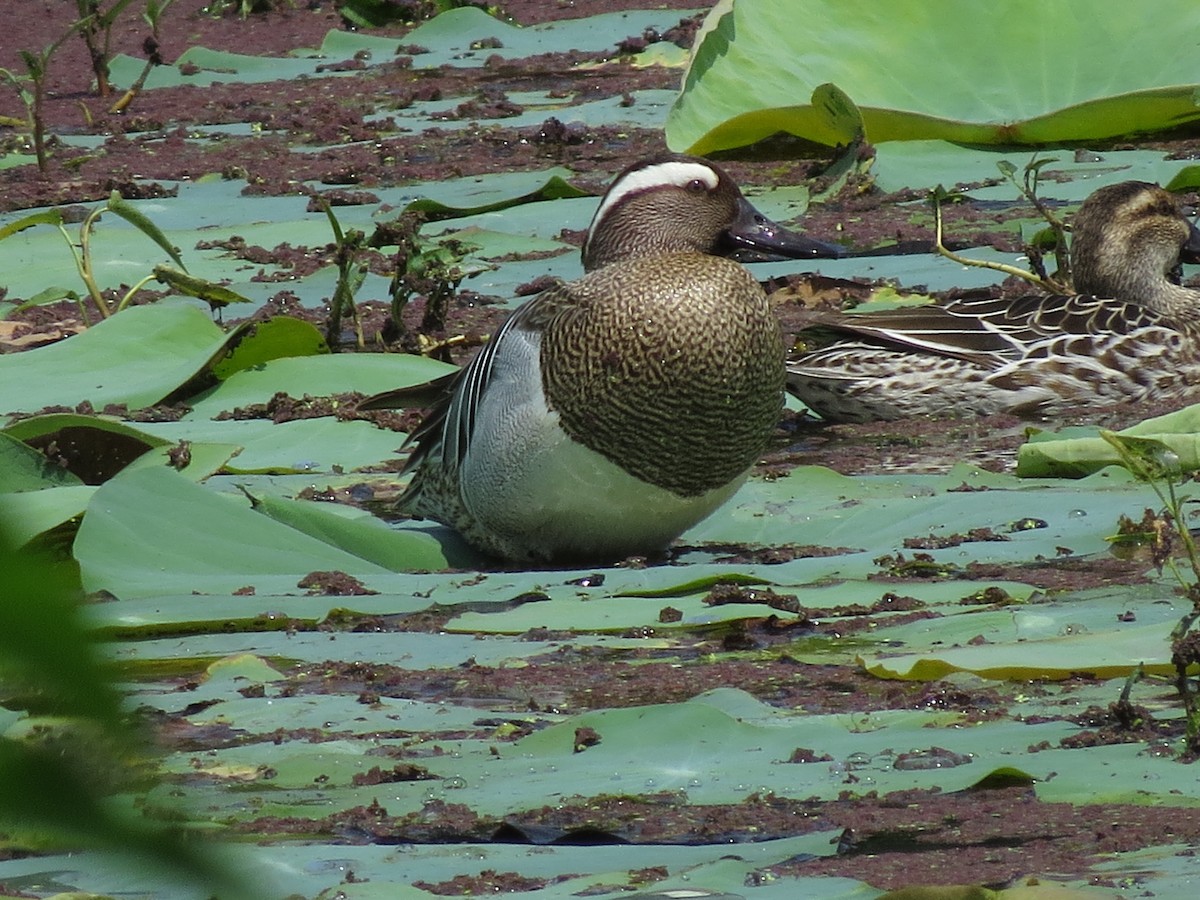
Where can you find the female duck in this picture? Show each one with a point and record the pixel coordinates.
(1133, 334)
(610, 414)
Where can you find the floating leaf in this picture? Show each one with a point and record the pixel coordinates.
(137, 357)
(554, 189)
(134, 542)
(1077, 452)
(22, 468)
(93, 447)
(366, 537)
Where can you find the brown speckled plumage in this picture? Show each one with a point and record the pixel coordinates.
(1134, 334)
(698, 349)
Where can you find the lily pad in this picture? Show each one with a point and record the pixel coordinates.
(137, 357)
(133, 541)
(1082, 451)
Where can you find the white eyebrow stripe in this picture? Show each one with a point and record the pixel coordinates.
(675, 172)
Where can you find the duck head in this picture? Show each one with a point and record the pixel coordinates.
(674, 203)
(1127, 243)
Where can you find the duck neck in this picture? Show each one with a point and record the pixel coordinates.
(1175, 301)
(1138, 279)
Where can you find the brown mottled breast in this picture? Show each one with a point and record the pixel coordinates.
(670, 366)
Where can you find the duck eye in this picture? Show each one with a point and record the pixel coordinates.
(696, 186)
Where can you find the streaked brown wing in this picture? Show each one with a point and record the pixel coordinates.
(988, 331)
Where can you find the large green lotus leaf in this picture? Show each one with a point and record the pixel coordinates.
(137, 357)
(969, 71)
(412, 650)
(1119, 773)
(722, 753)
(449, 36)
(96, 447)
(150, 531)
(648, 110)
(258, 716)
(614, 615)
(492, 245)
(102, 445)
(702, 872)
(618, 614)
(205, 458)
(97, 875)
(121, 254)
(317, 376)
(1171, 868)
(1005, 642)
(468, 196)
(40, 497)
(716, 748)
(141, 619)
(56, 427)
(931, 273)
(555, 188)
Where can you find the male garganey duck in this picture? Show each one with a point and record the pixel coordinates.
(609, 414)
(1131, 334)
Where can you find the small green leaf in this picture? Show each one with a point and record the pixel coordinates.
(46, 297)
(554, 189)
(135, 217)
(215, 295)
(842, 116)
(46, 217)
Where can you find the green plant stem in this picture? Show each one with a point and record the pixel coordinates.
(129, 295)
(351, 275)
(1153, 463)
(1028, 189)
(37, 122)
(941, 248)
(83, 263)
(37, 65)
